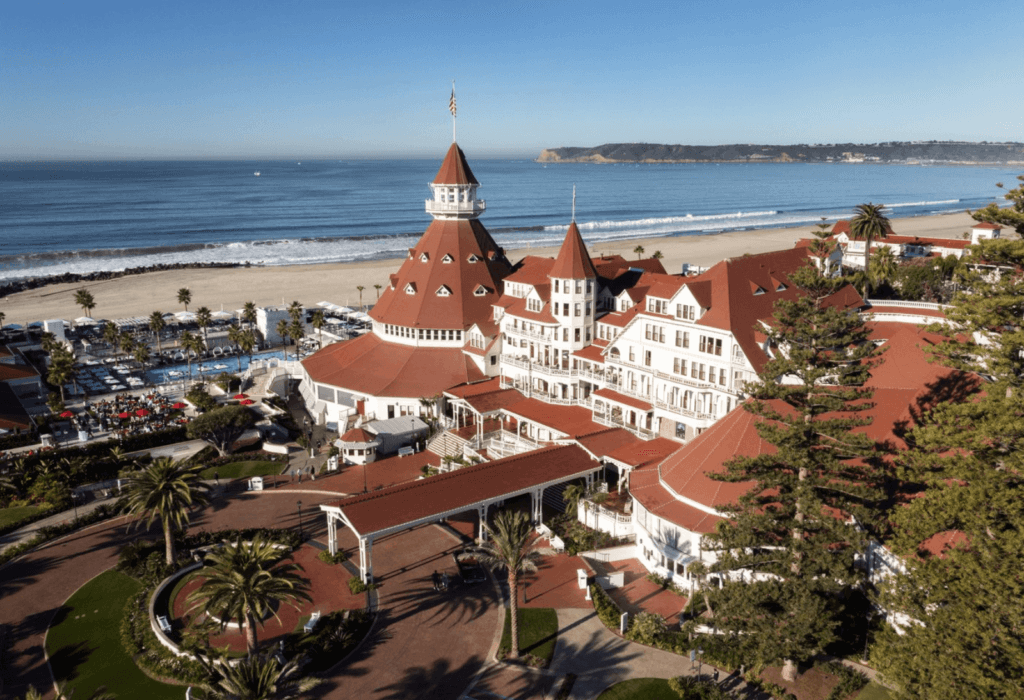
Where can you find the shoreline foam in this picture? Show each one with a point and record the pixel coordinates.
(229, 288)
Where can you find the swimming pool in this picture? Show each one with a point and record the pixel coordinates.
(207, 368)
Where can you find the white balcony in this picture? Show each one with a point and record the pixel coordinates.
(456, 210)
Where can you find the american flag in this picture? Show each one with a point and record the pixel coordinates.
(451, 103)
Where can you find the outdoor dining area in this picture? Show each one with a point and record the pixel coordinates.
(127, 414)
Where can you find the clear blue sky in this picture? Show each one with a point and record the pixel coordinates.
(91, 79)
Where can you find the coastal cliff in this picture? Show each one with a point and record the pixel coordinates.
(912, 152)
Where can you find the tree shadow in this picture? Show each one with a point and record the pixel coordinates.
(66, 661)
(437, 681)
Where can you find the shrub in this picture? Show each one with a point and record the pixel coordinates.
(356, 585)
(328, 558)
(850, 680)
(607, 611)
(200, 398)
(690, 688)
(140, 643)
(52, 532)
(646, 628)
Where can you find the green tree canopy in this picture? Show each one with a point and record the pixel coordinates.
(166, 491)
(787, 552)
(1012, 216)
(221, 426)
(84, 299)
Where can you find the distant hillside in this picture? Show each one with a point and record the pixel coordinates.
(951, 152)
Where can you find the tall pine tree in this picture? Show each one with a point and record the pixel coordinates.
(967, 638)
(788, 552)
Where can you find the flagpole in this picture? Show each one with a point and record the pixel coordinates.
(454, 140)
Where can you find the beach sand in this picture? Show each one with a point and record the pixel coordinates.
(229, 289)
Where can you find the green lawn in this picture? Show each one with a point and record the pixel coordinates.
(538, 629)
(238, 470)
(640, 689)
(874, 691)
(9, 516)
(85, 645)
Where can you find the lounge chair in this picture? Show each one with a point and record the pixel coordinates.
(311, 625)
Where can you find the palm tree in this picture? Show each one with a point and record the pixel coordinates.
(157, 324)
(84, 298)
(884, 267)
(191, 344)
(62, 368)
(657, 255)
(125, 342)
(869, 223)
(110, 333)
(285, 332)
(259, 677)
(360, 289)
(185, 297)
(246, 580)
(3, 316)
(235, 334)
(318, 324)
(246, 342)
(167, 491)
(378, 287)
(296, 332)
(249, 313)
(639, 250)
(572, 495)
(295, 311)
(141, 354)
(511, 547)
(203, 319)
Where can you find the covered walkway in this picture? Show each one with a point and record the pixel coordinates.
(405, 506)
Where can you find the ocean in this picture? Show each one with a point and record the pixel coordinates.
(58, 217)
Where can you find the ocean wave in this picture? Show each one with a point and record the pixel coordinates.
(688, 218)
(921, 204)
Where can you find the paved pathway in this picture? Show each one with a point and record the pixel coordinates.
(424, 645)
(26, 533)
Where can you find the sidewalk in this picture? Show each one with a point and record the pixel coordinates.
(26, 533)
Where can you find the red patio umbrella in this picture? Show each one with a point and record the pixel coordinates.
(66, 414)
(142, 413)
(179, 404)
(123, 414)
(240, 396)
(246, 402)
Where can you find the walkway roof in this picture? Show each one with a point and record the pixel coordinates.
(407, 505)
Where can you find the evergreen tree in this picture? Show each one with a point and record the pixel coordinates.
(968, 457)
(788, 551)
(1012, 215)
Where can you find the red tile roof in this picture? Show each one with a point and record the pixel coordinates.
(940, 544)
(573, 261)
(12, 414)
(519, 310)
(486, 386)
(407, 503)
(9, 372)
(532, 270)
(615, 396)
(460, 239)
(368, 365)
(358, 435)
(987, 225)
(648, 491)
(605, 442)
(455, 170)
(571, 420)
(592, 352)
(843, 226)
(644, 452)
(488, 403)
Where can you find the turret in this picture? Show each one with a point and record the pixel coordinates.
(454, 189)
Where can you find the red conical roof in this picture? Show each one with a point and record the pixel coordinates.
(474, 261)
(573, 261)
(455, 170)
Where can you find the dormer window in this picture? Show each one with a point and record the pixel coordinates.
(447, 259)
(756, 290)
(424, 257)
(480, 290)
(410, 288)
(781, 287)
(473, 257)
(444, 291)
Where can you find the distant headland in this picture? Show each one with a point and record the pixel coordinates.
(890, 152)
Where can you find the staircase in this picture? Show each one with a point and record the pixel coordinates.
(447, 445)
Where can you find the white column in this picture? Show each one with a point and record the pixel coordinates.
(482, 510)
(332, 534)
(366, 559)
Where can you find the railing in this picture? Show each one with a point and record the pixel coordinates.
(907, 304)
(635, 429)
(664, 405)
(477, 206)
(687, 381)
(539, 368)
(513, 330)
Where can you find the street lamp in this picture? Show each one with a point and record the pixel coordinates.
(299, 504)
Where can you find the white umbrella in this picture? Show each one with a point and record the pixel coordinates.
(222, 314)
(84, 321)
(325, 304)
(343, 310)
(361, 315)
(185, 316)
(335, 321)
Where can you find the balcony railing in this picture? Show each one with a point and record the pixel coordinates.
(644, 433)
(514, 330)
(538, 368)
(664, 405)
(477, 206)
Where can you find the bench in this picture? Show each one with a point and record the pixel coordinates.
(557, 544)
(164, 623)
(311, 625)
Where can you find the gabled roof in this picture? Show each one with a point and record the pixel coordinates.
(461, 238)
(605, 442)
(368, 365)
(572, 420)
(399, 505)
(358, 435)
(455, 170)
(532, 270)
(573, 261)
(644, 452)
(988, 225)
(609, 395)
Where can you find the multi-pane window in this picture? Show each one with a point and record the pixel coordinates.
(687, 312)
(679, 366)
(712, 346)
(721, 377)
(647, 358)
